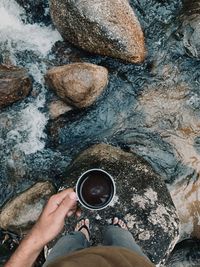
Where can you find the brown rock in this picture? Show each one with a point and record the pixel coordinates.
(21, 212)
(185, 195)
(57, 108)
(78, 84)
(106, 27)
(15, 84)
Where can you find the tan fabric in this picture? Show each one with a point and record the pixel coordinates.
(102, 256)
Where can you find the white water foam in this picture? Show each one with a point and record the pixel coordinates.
(33, 123)
(15, 35)
(21, 36)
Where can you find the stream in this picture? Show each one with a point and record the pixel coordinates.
(152, 109)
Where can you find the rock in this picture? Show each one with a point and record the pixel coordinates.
(185, 254)
(15, 84)
(57, 108)
(20, 213)
(78, 84)
(106, 27)
(141, 196)
(185, 195)
(190, 27)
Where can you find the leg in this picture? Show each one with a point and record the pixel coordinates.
(120, 237)
(74, 241)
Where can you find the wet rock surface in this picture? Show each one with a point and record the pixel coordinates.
(185, 254)
(186, 199)
(103, 27)
(15, 84)
(141, 197)
(189, 30)
(78, 84)
(20, 213)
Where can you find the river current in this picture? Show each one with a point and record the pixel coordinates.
(152, 109)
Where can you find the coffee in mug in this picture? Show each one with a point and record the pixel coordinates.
(95, 189)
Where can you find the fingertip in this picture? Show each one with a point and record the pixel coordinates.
(73, 196)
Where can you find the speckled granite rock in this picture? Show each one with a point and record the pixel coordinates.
(20, 213)
(15, 84)
(141, 196)
(106, 27)
(78, 84)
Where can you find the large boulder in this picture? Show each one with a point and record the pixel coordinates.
(106, 27)
(141, 196)
(79, 84)
(15, 84)
(20, 213)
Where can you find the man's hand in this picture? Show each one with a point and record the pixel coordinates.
(52, 219)
(49, 225)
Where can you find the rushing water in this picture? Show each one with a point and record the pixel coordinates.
(22, 125)
(152, 109)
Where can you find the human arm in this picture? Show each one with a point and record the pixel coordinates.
(48, 226)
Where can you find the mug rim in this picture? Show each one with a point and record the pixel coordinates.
(113, 183)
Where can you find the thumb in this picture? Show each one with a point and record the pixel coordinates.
(67, 204)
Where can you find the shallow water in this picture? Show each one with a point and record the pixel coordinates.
(151, 109)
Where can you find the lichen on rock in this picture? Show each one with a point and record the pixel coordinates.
(141, 197)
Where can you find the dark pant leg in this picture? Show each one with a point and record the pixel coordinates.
(66, 244)
(116, 236)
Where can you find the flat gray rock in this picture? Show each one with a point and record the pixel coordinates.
(141, 197)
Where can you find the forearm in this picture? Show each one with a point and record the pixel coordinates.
(48, 226)
(27, 252)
